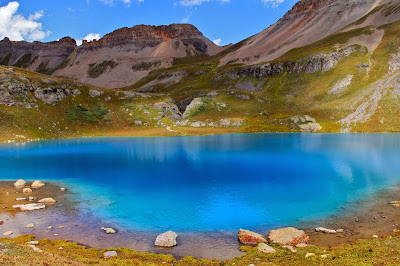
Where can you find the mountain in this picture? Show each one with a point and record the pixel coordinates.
(326, 66)
(119, 59)
(307, 22)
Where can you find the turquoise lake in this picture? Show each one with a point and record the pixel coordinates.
(211, 183)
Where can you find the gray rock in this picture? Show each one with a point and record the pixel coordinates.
(30, 207)
(108, 230)
(110, 254)
(169, 109)
(53, 96)
(325, 230)
(167, 239)
(107, 98)
(193, 107)
(305, 123)
(224, 122)
(138, 123)
(95, 93)
(182, 123)
(197, 124)
(19, 183)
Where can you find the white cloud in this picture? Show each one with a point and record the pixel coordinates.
(273, 3)
(89, 37)
(198, 2)
(16, 27)
(217, 41)
(111, 2)
(185, 19)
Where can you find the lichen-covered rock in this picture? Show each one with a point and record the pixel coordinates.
(167, 239)
(305, 123)
(169, 109)
(197, 124)
(110, 254)
(288, 236)
(53, 96)
(247, 237)
(224, 122)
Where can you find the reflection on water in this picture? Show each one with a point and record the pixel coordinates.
(211, 183)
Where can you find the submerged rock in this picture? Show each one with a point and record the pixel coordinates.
(167, 239)
(19, 183)
(47, 200)
(250, 238)
(264, 248)
(288, 236)
(108, 230)
(27, 191)
(325, 230)
(37, 184)
(30, 207)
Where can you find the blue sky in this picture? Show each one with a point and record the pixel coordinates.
(228, 20)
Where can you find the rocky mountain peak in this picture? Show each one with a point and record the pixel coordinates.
(149, 33)
(308, 5)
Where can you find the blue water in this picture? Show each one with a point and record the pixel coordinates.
(211, 183)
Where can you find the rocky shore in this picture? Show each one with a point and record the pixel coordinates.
(44, 210)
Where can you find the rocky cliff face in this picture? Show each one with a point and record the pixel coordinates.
(119, 59)
(36, 56)
(307, 22)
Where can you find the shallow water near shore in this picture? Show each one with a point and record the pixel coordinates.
(207, 187)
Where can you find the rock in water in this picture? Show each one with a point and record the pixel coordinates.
(108, 230)
(30, 226)
(19, 183)
(250, 238)
(110, 254)
(37, 184)
(27, 191)
(167, 239)
(8, 233)
(264, 248)
(288, 236)
(30, 207)
(47, 200)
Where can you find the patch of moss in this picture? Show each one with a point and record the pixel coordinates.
(96, 70)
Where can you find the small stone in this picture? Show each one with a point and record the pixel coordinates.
(110, 254)
(37, 184)
(375, 236)
(264, 248)
(30, 207)
(19, 183)
(291, 248)
(8, 233)
(340, 231)
(61, 227)
(56, 234)
(60, 248)
(50, 227)
(33, 242)
(27, 191)
(325, 256)
(35, 248)
(30, 226)
(325, 230)
(47, 200)
(19, 199)
(310, 255)
(301, 245)
(167, 239)
(247, 237)
(62, 189)
(108, 230)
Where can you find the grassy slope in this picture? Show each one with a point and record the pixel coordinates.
(382, 251)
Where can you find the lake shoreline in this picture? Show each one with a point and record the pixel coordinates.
(366, 218)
